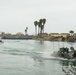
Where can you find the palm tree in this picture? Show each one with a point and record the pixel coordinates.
(35, 23)
(71, 38)
(26, 27)
(71, 32)
(44, 21)
(40, 26)
(26, 30)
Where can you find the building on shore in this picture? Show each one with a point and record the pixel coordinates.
(18, 35)
(58, 36)
(64, 34)
(54, 34)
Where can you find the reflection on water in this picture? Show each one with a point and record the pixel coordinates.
(67, 63)
(68, 67)
(41, 42)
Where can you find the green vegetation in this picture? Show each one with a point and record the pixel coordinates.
(71, 32)
(35, 23)
(40, 25)
(26, 30)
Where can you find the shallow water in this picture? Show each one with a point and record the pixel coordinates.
(29, 57)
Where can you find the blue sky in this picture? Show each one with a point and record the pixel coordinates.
(16, 15)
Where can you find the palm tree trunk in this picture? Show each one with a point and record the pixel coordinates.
(35, 31)
(38, 31)
(43, 30)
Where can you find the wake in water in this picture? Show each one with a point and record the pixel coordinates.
(30, 48)
(55, 56)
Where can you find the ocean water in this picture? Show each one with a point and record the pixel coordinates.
(31, 57)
